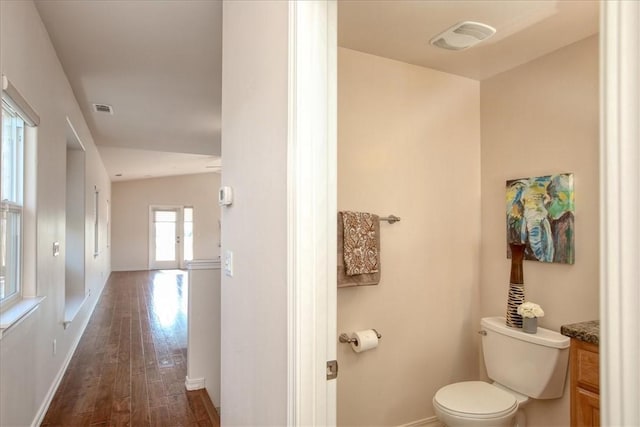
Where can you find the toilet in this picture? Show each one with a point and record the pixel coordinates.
(522, 366)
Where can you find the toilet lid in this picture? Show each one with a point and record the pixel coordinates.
(476, 399)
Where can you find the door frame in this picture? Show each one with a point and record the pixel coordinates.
(311, 328)
(179, 232)
(311, 212)
(619, 212)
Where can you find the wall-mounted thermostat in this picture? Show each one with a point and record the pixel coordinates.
(225, 196)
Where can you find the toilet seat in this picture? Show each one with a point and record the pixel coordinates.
(475, 399)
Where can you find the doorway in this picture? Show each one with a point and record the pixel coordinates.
(170, 236)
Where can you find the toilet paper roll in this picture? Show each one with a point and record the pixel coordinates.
(366, 340)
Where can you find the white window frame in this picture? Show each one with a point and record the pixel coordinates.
(15, 309)
(15, 206)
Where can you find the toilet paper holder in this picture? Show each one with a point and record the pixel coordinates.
(346, 339)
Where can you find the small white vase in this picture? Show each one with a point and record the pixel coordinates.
(530, 325)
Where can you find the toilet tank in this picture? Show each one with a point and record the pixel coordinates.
(532, 364)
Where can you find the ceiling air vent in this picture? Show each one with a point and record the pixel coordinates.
(463, 35)
(103, 108)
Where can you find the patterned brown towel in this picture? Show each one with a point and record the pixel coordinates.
(360, 245)
(371, 260)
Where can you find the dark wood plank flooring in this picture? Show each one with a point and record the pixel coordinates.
(130, 365)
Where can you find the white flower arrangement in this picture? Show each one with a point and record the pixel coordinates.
(530, 310)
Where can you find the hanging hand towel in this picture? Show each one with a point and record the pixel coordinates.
(360, 242)
(364, 279)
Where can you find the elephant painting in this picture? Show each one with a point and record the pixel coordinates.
(540, 213)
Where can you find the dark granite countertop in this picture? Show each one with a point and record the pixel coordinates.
(583, 331)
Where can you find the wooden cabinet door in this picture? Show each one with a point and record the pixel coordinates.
(587, 408)
(585, 384)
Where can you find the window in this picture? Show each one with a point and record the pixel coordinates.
(188, 233)
(18, 152)
(166, 238)
(11, 204)
(96, 222)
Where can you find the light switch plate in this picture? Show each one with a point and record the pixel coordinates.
(228, 263)
(56, 248)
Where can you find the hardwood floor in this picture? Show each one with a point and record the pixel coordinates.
(130, 365)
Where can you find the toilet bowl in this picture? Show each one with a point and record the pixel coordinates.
(509, 355)
(477, 403)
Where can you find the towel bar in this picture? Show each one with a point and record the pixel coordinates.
(390, 219)
(345, 338)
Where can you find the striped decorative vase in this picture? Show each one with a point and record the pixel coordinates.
(516, 286)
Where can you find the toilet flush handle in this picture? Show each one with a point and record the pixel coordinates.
(483, 332)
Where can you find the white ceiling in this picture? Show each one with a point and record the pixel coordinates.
(402, 30)
(158, 63)
(140, 164)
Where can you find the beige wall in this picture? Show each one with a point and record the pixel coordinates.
(409, 145)
(538, 119)
(29, 368)
(130, 216)
(254, 149)
(203, 352)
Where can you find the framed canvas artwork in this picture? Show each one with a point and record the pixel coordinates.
(540, 213)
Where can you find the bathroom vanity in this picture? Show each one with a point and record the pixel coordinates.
(585, 374)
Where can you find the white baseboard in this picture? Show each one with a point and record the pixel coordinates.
(430, 422)
(194, 383)
(58, 379)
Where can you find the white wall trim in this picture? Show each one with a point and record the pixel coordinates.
(75, 134)
(17, 313)
(194, 383)
(58, 378)
(620, 207)
(19, 103)
(430, 422)
(56, 382)
(311, 210)
(203, 264)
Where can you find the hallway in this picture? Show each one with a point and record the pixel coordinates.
(130, 365)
